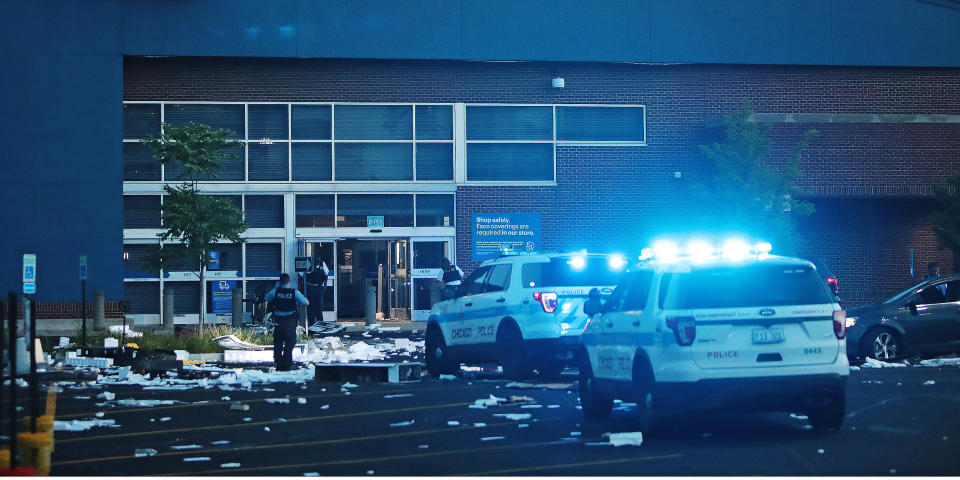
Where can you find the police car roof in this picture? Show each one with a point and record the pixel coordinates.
(683, 264)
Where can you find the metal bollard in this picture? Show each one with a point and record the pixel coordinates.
(371, 305)
(237, 311)
(99, 312)
(168, 309)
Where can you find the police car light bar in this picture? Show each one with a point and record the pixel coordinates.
(733, 249)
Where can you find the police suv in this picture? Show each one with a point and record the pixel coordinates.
(525, 311)
(729, 328)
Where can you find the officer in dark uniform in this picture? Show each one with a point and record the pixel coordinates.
(316, 283)
(451, 276)
(285, 299)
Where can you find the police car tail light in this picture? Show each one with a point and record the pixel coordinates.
(684, 329)
(548, 300)
(840, 324)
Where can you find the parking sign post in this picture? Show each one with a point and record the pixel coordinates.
(83, 300)
(29, 273)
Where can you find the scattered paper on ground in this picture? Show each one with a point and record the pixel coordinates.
(402, 424)
(626, 439)
(513, 416)
(82, 425)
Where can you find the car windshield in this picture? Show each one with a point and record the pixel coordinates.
(749, 286)
(579, 271)
(902, 295)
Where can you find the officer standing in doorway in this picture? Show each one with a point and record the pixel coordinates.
(285, 299)
(451, 276)
(316, 284)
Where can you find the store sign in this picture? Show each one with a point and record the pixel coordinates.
(375, 221)
(302, 264)
(495, 232)
(426, 272)
(223, 296)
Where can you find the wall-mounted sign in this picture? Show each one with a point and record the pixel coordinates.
(495, 232)
(302, 264)
(214, 260)
(223, 296)
(375, 221)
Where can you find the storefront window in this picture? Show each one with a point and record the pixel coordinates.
(354, 210)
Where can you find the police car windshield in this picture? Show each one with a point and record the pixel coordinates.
(745, 286)
(559, 272)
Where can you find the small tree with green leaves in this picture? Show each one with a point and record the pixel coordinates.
(197, 222)
(946, 219)
(745, 193)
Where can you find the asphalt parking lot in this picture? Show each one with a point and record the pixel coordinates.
(897, 423)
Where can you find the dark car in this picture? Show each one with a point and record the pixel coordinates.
(921, 320)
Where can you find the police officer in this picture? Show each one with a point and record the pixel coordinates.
(285, 299)
(450, 277)
(316, 284)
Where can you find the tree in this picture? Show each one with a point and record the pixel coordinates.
(197, 222)
(747, 194)
(946, 220)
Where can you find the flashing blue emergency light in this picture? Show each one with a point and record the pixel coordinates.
(735, 250)
(577, 263)
(665, 250)
(616, 262)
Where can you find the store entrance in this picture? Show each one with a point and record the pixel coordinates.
(378, 263)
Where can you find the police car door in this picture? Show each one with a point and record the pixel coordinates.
(492, 305)
(630, 328)
(464, 308)
(599, 337)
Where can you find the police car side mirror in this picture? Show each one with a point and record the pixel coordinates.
(912, 305)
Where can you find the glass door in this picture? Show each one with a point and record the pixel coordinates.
(426, 274)
(398, 280)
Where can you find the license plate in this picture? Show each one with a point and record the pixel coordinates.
(768, 335)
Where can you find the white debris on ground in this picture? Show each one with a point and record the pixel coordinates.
(129, 332)
(491, 439)
(277, 401)
(230, 465)
(144, 452)
(513, 416)
(820, 451)
(220, 442)
(929, 382)
(82, 425)
(107, 396)
(947, 361)
(447, 377)
(185, 447)
(480, 425)
(399, 395)
(797, 416)
(311, 474)
(453, 423)
(490, 401)
(874, 363)
(402, 424)
(165, 419)
(196, 459)
(301, 400)
(626, 439)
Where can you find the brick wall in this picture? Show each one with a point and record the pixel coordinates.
(866, 177)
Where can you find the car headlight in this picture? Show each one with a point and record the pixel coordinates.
(851, 321)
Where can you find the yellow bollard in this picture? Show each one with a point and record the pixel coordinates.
(44, 423)
(36, 449)
(5, 458)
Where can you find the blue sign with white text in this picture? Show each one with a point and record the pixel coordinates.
(223, 296)
(495, 232)
(214, 260)
(375, 221)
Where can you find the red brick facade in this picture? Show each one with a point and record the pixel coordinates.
(870, 182)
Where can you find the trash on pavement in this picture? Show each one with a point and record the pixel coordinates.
(107, 396)
(277, 401)
(626, 439)
(230, 465)
(453, 423)
(444, 376)
(402, 424)
(398, 395)
(240, 407)
(185, 447)
(490, 439)
(929, 382)
(144, 452)
(196, 459)
(220, 442)
(302, 401)
(513, 416)
(82, 425)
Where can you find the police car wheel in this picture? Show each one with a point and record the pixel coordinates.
(437, 358)
(643, 396)
(593, 403)
(829, 416)
(513, 358)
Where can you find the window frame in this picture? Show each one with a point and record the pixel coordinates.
(289, 141)
(464, 158)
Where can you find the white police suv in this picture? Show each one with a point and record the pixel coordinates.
(729, 328)
(525, 311)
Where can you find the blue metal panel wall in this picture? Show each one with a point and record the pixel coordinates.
(803, 32)
(60, 184)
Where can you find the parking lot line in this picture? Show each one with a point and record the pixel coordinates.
(301, 444)
(263, 423)
(256, 400)
(570, 465)
(473, 450)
